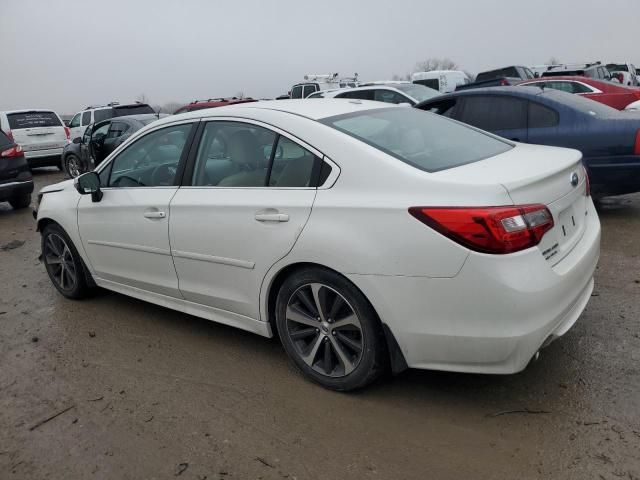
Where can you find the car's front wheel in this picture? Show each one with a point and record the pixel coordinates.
(73, 165)
(329, 329)
(63, 263)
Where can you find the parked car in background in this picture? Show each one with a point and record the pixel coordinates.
(459, 214)
(502, 76)
(608, 139)
(389, 92)
(40, 133)
(99, 140)
(609, 93)
(97, 113)
(16, 182)
(444, 81)
(624, 72)
(316, 83)
(212, 103)
(591, 70)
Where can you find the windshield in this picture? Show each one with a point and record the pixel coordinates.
(421, 139)
(419, 92)
(33, 120)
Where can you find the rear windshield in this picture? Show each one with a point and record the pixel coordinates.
(4, 140)
(493, 74)
(132, 110)
(32, 120)
(617, 67)
(419, 92)
(421, 139)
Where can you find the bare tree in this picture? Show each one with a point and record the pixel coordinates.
(471, 76)
(142, 98)
(553, 61)
(239, 95)
(398, 78)
(435, 64)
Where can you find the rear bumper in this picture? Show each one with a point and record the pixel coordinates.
(44, 158)
(15, 189)
(616, 175)
(494, 315)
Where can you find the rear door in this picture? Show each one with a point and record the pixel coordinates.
(37, 130)
(499, 114)
(243, 208)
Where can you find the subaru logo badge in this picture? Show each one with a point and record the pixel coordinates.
(575, 179)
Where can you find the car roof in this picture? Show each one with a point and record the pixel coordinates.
(314, 109)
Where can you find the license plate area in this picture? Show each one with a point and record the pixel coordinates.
(569, 223)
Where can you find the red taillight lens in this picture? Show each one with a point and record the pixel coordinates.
(12, 152)
(10, 135)
(636, 147)
(504, 82)
(496, 230)
(67, 132)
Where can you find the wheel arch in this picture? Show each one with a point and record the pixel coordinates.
(394, 353)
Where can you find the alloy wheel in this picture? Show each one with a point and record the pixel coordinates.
(59, 261)
(73, 166)
(324, 329)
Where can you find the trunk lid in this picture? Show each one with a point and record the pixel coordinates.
(37, 130)
(536, 174)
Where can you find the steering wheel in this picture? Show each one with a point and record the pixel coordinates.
(163, 175)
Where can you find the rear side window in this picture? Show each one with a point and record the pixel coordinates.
(33, 120)
(389, 96)
(103, 114)
(309, 89)
(117, 129)
(541, 116)
(86, 118)
(431, 83)
(293, 165)
(132, 110)
(420, 139)
(359, 94)
(493, 113)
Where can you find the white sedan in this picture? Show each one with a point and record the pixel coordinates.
(366, 237)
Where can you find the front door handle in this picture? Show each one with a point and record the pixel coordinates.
(154, 214)
(272, 217)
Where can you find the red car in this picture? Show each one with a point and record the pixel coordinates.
(212, 103)
(609, 93)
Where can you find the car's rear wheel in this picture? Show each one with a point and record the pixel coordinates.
(21, 201)
(73, 165)
(63, 263)
(329, 330)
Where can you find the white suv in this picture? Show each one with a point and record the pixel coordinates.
(94, 114)
(40, 133)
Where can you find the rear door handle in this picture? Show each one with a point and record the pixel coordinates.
(154, 215)
(272, 217)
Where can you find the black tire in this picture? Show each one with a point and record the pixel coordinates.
(73, 164)
(22, 201)
(325, 286)
(64, 263)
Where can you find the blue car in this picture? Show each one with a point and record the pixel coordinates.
(608, 139)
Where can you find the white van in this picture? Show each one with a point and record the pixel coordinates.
(445, 81)
(315, 83)
(40, 133)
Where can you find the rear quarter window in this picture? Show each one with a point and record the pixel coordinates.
(423, 140)
(33, 120)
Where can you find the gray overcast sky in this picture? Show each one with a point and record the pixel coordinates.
(67, 54)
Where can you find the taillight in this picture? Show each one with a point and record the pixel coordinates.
(636, 147)
(67, 132)
(496, 230)
(9, 134)
(504, 81)
(12, 152)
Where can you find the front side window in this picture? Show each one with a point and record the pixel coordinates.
(75, 121)
(152, 160)
(423, 140)
(86, 118)
(296, 92)
(494, 112)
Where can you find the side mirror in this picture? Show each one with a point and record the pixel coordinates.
(89, 183)
(77, 140)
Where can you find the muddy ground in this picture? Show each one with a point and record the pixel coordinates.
(152, 393)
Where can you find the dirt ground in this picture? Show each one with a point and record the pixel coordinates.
(152, 393)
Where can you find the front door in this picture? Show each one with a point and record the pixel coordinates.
(126, 234)
(249, 198)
